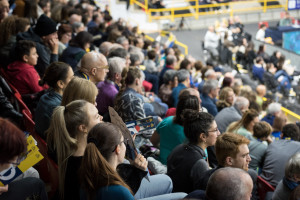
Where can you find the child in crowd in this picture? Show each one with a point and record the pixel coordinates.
(22, 73)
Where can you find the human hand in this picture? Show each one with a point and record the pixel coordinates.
(140, 162)
(53, 44)
(3, 189)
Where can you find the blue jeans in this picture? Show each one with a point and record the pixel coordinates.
(159, 187)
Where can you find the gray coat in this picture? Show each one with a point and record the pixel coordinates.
(226, 116)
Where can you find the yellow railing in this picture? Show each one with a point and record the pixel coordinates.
(195, 9)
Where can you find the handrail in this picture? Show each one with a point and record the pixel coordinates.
(170, 13)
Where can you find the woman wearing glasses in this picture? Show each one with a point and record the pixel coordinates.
(13, 149)
(188, 161)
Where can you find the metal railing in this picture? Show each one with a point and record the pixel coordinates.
(195, 9)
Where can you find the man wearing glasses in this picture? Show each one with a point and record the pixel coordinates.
(93, 67)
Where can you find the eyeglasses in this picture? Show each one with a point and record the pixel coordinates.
(125, 141)
(216, 130)
(19, 159)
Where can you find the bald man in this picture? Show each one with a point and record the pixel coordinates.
(93, 67)
(229, 183)
(261, 92)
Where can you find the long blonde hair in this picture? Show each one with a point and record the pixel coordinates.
(248, 116)
(79, 88)
(62, 134)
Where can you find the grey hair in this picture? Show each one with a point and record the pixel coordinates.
(209, 72)
(76, 25)
(209, 85)
(169, 75)
(241, 102)
(116, 65)
(227, 183)
(182, 75)
(274, 108)
(170, 60)
(121, 39)
(292, 166)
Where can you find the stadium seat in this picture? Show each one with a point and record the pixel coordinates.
(263, 187)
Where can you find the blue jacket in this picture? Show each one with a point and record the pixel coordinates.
(209, 104)
(72, 56)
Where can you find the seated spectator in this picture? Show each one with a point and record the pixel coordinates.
(110, 157)
(57, 77)
(64, 35)
(229, 183)
(171, 62)
(9, 29)
(93, 67)
(197, 75)
(165, 90)
(287, 20)
(119, 52)
(45, 36)
(210, 91)
(4, 9)
(169, 133)
(226, 98)
(76, 49)
(79, 89)
(21, 73)
(290, 180)
(279, 152)
(231, 151)
(104, 48)
(279, 122)
(261, 92)
(260, 35)
(150, 64)
(67, 138)
(245, 125)
(274, 59)
(261, 132)
(232, 114)
(108, 89)
(207, 74)
(183, 77)
(273, 110)
(188, 161)
(128, 105)
(211, 41)
(258, 69)
(13, 147)
(269, 78)
(124, 42)
(262, 53)
(101, 185)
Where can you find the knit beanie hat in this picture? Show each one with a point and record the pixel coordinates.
(45, 26)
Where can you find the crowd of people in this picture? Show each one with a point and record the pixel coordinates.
(211, 140)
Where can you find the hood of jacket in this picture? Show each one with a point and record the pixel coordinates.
(29, 35)
(18, 66)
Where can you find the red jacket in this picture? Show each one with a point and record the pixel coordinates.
(24, 77)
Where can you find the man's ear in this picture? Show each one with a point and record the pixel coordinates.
(229, 161)
(94, 71)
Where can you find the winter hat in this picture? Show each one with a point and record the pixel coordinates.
(45, 26)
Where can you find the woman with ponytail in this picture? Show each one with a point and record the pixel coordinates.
(57, 77)
(67, 138)
(98, 172)
(188, 161)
